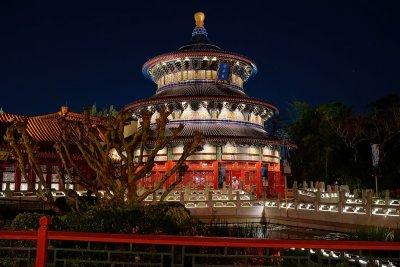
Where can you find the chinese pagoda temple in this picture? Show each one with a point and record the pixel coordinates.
(205, 86)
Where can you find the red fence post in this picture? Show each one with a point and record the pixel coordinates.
(41, 245)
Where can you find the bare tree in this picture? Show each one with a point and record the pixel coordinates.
(351, 131)
(107, 152)
(25, 151)
(383, 128)
(120, 175)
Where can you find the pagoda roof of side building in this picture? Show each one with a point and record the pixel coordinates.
(39, 129)
(67, 115)
(43, 128)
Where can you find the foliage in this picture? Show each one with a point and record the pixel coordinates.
(224, 229)
(170, 218)
(334, 143)
(26, 221)
(319, 156)
(167, 218)
(383, 128)
(105, 112)
(375, 233)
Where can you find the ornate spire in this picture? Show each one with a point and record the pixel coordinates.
(199, 19)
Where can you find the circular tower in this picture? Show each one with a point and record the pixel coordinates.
(205, 87)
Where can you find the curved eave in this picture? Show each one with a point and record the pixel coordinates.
(6, 117)
(161, 100)
(244, 140)
(179, 54)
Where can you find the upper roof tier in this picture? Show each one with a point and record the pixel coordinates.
(199, 60)
(200, 41)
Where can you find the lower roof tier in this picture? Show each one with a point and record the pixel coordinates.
(222, 133)
(218, 129)
(229, 99)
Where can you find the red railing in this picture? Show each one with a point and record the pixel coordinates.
(43, 235)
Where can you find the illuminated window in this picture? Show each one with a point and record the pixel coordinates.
(201, 74)
(154, 117)
(54, 182)
(177, 76)
(200, 114)
(8, 177)
(191, 75)
(176, 114)
(231, 115)
(208, 74)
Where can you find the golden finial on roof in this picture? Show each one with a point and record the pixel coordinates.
(199, 18)
(63, 111)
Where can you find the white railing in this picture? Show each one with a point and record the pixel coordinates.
(304, 200)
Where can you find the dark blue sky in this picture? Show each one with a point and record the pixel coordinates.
(53, 52)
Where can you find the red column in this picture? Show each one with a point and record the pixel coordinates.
(17, 179)
(242, 179)
(32, 177)
(215, 174)
(168, 166)
(1, 179)
(258, 178)
(41, 249)
(49, 171)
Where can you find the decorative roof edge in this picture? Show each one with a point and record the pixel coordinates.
(266, 141)
(185, 98)
(179, 54)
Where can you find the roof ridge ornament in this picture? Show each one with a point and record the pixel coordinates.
(199, 19)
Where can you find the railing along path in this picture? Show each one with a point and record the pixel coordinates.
(43, 235)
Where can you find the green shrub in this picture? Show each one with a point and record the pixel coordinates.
(26, 221)
(224, 229)
(374, 233)
(166, 218)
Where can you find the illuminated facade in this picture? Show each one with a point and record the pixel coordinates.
(204, 85)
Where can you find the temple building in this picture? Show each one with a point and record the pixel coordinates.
(205, 86)
(44, 130)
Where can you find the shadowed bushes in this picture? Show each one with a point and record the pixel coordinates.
(166, 218)
(375, 233)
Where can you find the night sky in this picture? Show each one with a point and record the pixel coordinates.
(80, 53)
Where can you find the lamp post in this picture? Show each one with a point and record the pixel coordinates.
(286, 171)
(375, 164)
